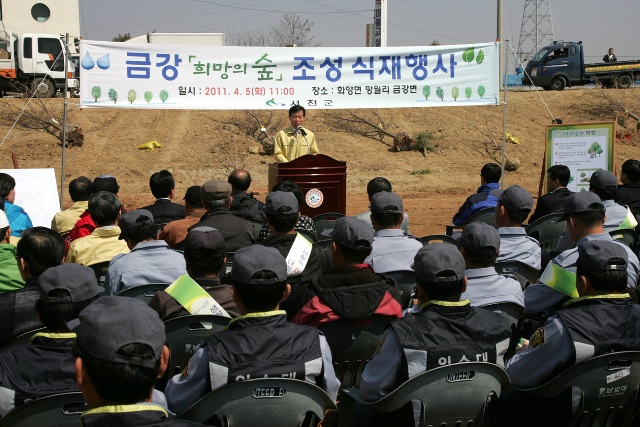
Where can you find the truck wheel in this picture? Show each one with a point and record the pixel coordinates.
(559, 83)
(43, 88)
(624, 82)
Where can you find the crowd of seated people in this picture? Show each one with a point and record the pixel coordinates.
(278, 290)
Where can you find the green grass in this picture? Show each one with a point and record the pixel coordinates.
(421, 172)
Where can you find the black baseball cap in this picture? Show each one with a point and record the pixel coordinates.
(252, 259)
(514, 198)
(208, 240)
(603, 179)
(582, 201)
(131, 219)
(352, 232)
(109, 323)
(439, 262)
(281, 202)
(480, 238)
(386, 202)
(78, 280)
(599, 255)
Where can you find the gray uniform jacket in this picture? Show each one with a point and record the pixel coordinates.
(148, 262)
(515, 245)
(485, 286)
(616, 214)
(557, 282)
(392, 251)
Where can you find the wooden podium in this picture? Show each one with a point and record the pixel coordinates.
(322, 179)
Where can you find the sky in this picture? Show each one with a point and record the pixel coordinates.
(598, 24)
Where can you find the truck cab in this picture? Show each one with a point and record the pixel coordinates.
(555, 66)
(35, 61)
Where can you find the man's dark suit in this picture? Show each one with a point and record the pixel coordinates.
(629, 195)
(165, 211)
(550, 203)
(237, 232)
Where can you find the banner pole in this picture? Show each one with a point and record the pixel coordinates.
(504, 110)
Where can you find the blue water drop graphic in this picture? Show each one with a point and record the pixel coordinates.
(87, 62)
(103, 62)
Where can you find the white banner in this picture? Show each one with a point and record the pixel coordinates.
(131, 75)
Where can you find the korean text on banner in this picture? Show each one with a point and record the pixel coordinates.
(132, 75)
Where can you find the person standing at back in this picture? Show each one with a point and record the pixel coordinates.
(294, 141)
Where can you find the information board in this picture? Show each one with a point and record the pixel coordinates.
(583, 148)
(36, 193)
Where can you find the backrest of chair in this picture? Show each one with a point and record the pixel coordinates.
(609, 385)
(324, 224)
(406, 284)
(307, 234)
(628, 237)
(100, 270)
(227, 265)
(486, 215)
(186, 332)
(57, 410)
(353, 344)
(265, 402)
(525, 274)
(453, 395)
(438, 238)
(143, 292)
(547, 230)
(257, 226)
(21, 339)
(325, 245)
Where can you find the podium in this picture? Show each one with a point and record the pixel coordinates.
(322, 179)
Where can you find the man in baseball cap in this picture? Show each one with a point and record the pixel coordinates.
(205, 253)
(513, 208)
(391, 249)
(350, 289)
(149, 261)
(216, 199)
(260, 343)
(64, 291)
(602, 320)
(618, 217)
(120, 353)
(480, 247)
(428, 335)
(585, 216)
(305, 261)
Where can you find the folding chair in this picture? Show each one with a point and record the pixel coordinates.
(57, 410)
(627, 236)
(353, 344)
(547, 230)
(267, 402)
(406, 283)
(525, 274)
(100, 270)
(186, 332)
(486, 215)
(324, 224)
(609, 386)
(453, 395)
(143, 292)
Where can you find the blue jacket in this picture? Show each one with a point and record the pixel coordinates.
(482, 199)
(18, 219)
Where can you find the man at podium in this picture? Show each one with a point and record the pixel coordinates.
(294, 141)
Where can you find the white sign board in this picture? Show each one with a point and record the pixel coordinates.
(163, 76)
(36, 193)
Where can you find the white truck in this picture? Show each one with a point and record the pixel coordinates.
(34, 62)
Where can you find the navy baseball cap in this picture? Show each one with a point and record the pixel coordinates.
(439, 262)
(281, 202)
(602, 255)
(252, 259)
(352, 232)
(480, 238)
(386, 202)
(78, 280)
(131, 219)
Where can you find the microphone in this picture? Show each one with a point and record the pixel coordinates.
(302, 132)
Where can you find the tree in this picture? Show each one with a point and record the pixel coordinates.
(455, 92)
(131, 96)
(96, 93)
(113, 95)
(148, 96)
(426, 91)
(122, 37)
(164, 95)
(440, 93)
(290, 31)
(468, 92)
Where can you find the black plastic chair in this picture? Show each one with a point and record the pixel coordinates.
(514, 314)
(308, 235)
(453, 395)
(186, 332)
(264, 402)
(486, 215)
(406, 284)
(143, 292)
(257, 226)
(227, 265)
(547, 230)
(324, 224)
(57, 410)
(100, 270)
(609, 385)
(22, 339)
(525, 274)
(627, 236)
(438, 238)
(353, 344)
(325, 245)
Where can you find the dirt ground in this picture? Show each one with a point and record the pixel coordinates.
(198, 146)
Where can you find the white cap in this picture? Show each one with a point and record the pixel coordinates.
(4, 222)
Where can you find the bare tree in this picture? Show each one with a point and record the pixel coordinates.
(290, 31)
(367, 123)
(258, 125)
(491, 144)
(122, 37)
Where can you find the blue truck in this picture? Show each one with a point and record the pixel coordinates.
(561, 64)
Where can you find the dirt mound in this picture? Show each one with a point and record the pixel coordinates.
(201, 145)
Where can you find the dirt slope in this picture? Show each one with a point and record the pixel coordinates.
(195, 143)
